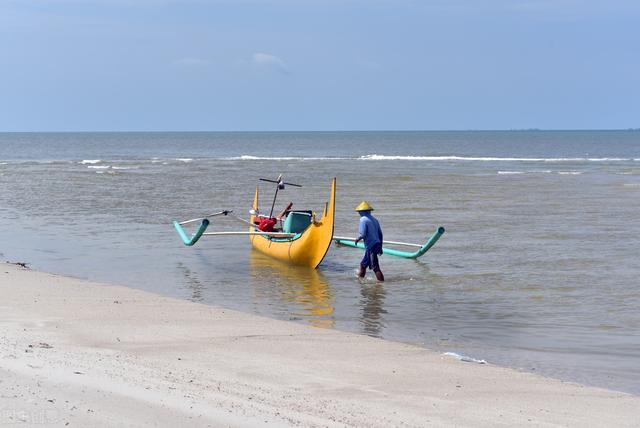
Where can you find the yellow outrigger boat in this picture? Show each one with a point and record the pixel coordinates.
(308, 238)
(296, 237)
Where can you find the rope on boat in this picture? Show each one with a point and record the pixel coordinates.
(244, 220)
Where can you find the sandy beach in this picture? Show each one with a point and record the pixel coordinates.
(77, 353)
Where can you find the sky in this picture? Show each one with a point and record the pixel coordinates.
(290, 65)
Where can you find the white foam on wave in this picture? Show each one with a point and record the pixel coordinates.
(465, 358)
(488, 158)
(124, 167)
(377, 157)
(99, 166)
(248, 157)
(90, 161)
(285, 158)
(534, 171)
(185, 160)
(569, 172)
(609, 159)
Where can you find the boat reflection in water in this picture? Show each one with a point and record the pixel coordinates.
(302, 292)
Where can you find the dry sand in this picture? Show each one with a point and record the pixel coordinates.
(76, 353)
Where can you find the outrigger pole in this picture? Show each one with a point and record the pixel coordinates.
(225, 212)
(272, 234)
(350, 242)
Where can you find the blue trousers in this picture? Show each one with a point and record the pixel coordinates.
(370, 259)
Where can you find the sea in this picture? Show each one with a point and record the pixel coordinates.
(539, 268)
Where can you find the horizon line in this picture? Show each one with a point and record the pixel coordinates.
(321, 131)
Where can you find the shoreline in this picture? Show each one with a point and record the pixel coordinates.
(85, 353)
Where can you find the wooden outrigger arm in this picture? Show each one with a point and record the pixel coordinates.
(350, 242)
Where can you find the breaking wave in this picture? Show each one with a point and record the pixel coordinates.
(376, 157)
(286, 158)
(491, 159)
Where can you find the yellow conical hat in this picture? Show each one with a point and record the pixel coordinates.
(364, 206)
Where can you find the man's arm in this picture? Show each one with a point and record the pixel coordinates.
(362, 231)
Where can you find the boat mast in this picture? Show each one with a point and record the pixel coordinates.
(279, 185)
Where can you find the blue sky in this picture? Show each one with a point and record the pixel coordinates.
(109, 65)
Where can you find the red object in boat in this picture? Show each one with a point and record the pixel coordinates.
(267, 224)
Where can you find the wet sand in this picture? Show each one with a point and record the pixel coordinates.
(90, 354)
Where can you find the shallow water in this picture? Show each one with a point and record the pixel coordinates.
(538, 269)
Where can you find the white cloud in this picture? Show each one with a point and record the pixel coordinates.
(265, 60)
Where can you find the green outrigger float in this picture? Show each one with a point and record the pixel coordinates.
(349, 242)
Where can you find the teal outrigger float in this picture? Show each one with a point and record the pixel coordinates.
(349, 242)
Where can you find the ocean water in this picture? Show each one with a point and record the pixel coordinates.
(539, 268)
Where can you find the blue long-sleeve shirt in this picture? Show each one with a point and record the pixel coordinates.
(370, 230)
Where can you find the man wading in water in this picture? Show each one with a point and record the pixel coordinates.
(371, 232)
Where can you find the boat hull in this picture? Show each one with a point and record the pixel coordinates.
(306, 249)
